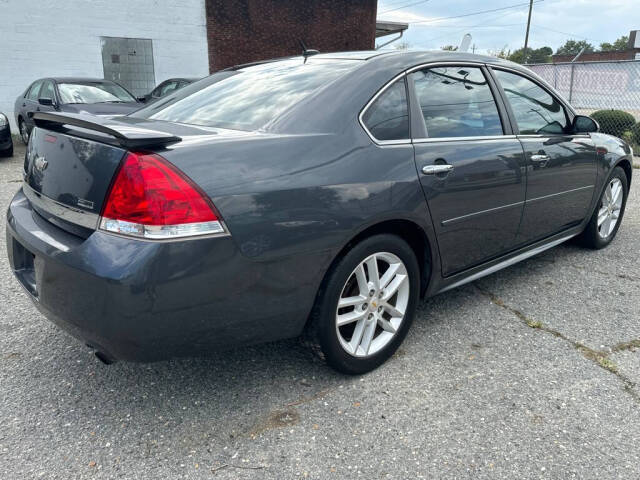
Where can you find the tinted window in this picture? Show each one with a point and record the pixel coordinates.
(248, 98)
(387, 118)
(456, 102)
(47, 90)
(536, 111)
(34, 90)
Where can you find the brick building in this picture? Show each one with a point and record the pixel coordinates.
(141, 44)
(632, 52)
(250, 30)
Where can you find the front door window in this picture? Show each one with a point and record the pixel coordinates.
(456, 102)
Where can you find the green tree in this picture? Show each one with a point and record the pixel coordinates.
(538, 55)
(620, 44)
(572, 47)
(449, 48)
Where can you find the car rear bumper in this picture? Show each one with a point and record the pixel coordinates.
(144, 301)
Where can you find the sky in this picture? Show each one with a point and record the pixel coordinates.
(553, 22)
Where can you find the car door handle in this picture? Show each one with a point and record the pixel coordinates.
(539, 158)
(434, 169)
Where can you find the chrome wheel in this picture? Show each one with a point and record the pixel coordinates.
(610, 208)
(372, 304)
(24, 133)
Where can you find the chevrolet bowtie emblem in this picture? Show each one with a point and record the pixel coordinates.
(40, 163)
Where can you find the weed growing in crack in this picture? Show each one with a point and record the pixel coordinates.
(608, 364)
(533, 323)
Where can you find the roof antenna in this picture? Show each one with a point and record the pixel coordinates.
(306, 52)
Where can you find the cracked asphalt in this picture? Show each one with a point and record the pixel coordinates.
(533, 372)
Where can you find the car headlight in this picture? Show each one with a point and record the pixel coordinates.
(4, 121)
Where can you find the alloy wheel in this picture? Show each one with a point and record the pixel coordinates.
(372, 304)
(610, 208)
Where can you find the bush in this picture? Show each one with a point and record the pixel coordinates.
(614, 122)
(635, 134)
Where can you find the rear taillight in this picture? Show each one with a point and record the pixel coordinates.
(152, 199)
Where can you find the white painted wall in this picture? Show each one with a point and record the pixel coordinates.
(47, 38)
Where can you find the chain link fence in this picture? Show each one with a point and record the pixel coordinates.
(608, 91)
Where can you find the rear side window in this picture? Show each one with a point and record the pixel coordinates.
(536, 110)
(388, 117)
(456, 102)
(34, 90)
(248, 98)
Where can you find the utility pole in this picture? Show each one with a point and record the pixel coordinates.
(526, 37)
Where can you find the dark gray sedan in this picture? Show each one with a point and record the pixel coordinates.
(72, 95)
(320, 196)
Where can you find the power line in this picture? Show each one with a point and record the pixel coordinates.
(403, 6)
(391, 4)
(432, 20)
(565, 33)
(481, 25)
(469, 26)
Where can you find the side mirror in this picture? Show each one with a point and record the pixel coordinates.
(46, 101)
(584, 124)
(142, 99)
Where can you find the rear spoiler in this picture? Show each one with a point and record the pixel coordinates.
(124, 134)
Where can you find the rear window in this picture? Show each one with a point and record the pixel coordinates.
(249, 98)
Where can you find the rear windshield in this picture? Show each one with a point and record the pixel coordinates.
(246, 99)
(93, 92)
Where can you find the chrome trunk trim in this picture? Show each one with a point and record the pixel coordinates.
(59, 210)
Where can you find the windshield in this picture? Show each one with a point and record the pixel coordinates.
(246, 99)
(95, 92)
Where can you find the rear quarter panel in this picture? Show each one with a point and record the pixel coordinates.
(292, 202)
(283, 195)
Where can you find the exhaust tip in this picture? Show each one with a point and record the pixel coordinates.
(104, 358)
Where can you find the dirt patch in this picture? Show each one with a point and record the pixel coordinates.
(277, 419)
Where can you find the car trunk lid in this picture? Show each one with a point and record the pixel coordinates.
(71, 161)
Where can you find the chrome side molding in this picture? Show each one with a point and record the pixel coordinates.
(508, 262)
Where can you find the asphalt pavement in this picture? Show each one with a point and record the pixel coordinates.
(533, 372)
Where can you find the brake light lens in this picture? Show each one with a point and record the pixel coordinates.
(152, 199)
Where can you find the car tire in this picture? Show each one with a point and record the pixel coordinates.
(24, 133)
(379, 330)
(601, 230)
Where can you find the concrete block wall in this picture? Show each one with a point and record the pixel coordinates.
(40, 38)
